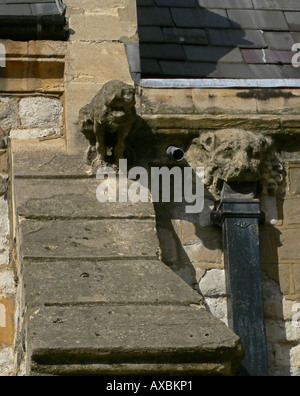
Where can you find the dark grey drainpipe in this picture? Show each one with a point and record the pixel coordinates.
(239, 215)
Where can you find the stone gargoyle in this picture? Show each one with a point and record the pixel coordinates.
(237, 156)
(106, 122)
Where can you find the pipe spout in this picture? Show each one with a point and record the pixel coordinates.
(175, 153)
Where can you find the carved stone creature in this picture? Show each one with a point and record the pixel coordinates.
(236, 156)
(107, 121)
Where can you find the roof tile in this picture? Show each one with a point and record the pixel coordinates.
(218, 38)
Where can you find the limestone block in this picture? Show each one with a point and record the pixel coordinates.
(213, 283)
(290, 248)
(295, 356)
(6, 361)
(102, 27)
(282, 355)
(295, 181)
(296, 273)
(46, 162)
(7, 307)
(291, 211)
(47, 48)
(46, 75)
(8, 112)
(217, 307)
(89, 238)
(72, 199)
(3, 161)
(291, 310)
(276, 331)
(4, 232)
(7, 282)
(40, 111)
(222, 101)
(105, 282)
(97, 62)
(273, 299)
(292, 331)
(97, 5)
(284, 279)
(200, 252)
(34, 133)
(136, 331)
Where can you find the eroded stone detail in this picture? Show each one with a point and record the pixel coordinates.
(237, 156)
(107, 121)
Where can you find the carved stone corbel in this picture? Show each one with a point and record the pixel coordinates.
(106, 122)
(237, 156)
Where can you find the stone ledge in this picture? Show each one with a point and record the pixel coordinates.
(46, 199)
(48, 164)
(199, 369)
(89, 238)
(267, 124)
(65, 283)
(126, 335)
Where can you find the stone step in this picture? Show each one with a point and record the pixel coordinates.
(143, 369)
(72, 198)
(89, 239)
(80, 282)
(49, 164)
(118, 335)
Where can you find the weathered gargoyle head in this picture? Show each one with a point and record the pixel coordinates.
(107, 120)
(236, 156)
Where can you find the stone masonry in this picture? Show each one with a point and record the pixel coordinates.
(61, 78)
(97, 299)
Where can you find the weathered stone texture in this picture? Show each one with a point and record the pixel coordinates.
(236, 156)
(4, 232)
(98, 264)
(34, 133)
(6, 362)
(107, 283)
(72, 199)
(88, 238)
(291, 211)
(7, 308)
(40, 111)
(8, 112)
(295, 180)
(65, 330)
(220, 101)
(213, 284)
(99, 31)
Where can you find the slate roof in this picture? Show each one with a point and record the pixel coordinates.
(235, 39)
(32, 19)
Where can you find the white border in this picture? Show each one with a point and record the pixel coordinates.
(219, 83)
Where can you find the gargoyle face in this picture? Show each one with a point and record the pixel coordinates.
(236, 156)
(121, 109)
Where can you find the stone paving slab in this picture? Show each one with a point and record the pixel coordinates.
(115, 282)
(72, 198)
(89, 238)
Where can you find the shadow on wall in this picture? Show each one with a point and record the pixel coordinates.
(191, 246)
(187, 42)
(278, 319)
